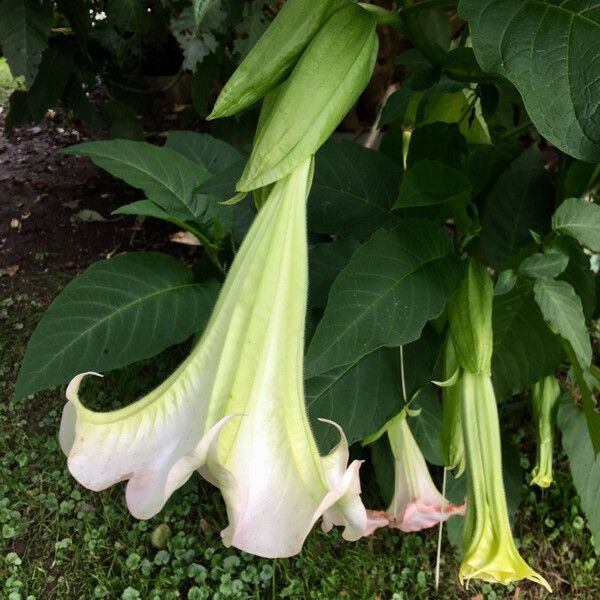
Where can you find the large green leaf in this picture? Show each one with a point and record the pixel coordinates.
(213, 154)
(580, 220)
(353, 191)
(427, 425)
(548, 50)
(55, 70)
(128, 15)
(360, 397)
(562, 310)
(519, 202)
(24, 29)
(584, 463)
(579, 274)
(363, 396)
(392, 286)
(119, 311)
(325, 261)
(524, 348)
(167, 177)
(587, 382)
(430, 182)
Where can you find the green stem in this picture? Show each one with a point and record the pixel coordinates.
(515, 131)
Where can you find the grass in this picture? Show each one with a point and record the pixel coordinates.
(59, 541)
(7, 82)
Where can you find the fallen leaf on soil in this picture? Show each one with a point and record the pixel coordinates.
(11, 271)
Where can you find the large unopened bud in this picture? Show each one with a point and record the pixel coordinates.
(471, 321)
(328, 79)
(274, 55)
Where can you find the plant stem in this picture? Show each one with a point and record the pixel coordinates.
(515, 131)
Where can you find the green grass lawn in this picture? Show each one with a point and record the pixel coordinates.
(60, 541)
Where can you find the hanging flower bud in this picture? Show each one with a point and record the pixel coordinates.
(452, 448)
(274, 55)
(545, 398)
(328, 79)
(471, 321)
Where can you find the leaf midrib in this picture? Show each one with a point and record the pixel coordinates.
(100, 322)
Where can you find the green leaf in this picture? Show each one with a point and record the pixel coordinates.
(222, 184)
(213, 154)
(360, 397)
(580, 220)
(147, 208)
(579, 274)
(427, 425)
(520, 201)
(525, 350)
(534, 42)
(326, 260)
(24, 29)
(55, 70)
(168, 178)
(437, 141)
(539, 265)
(392, 286)
(353, 191)
(585, 380)
(430, 182)
(584, 463)
(562, 310)
(117, 312)
(128, 15)
(77, 13)
(397, 104)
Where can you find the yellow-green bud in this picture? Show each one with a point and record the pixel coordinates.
(471, 321)
(545, 397)
(306, 109)
(274, 55)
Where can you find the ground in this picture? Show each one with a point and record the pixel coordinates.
(59, 541)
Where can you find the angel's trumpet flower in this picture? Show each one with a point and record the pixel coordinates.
(417, 504)
(490, 552)
(545, 398)
(235, 408)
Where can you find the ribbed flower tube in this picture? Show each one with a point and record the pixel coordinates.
(235, 409)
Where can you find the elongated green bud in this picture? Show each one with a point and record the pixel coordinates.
(452, 447)
(545, 397)
(274, 55)
(326, 82)
(471, 321)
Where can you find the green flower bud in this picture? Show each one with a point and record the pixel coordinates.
(274, 55)
(471, 321)
(306, 109)
(452, 448)
(545, 397)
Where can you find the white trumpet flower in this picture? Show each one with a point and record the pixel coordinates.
(234, 410)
